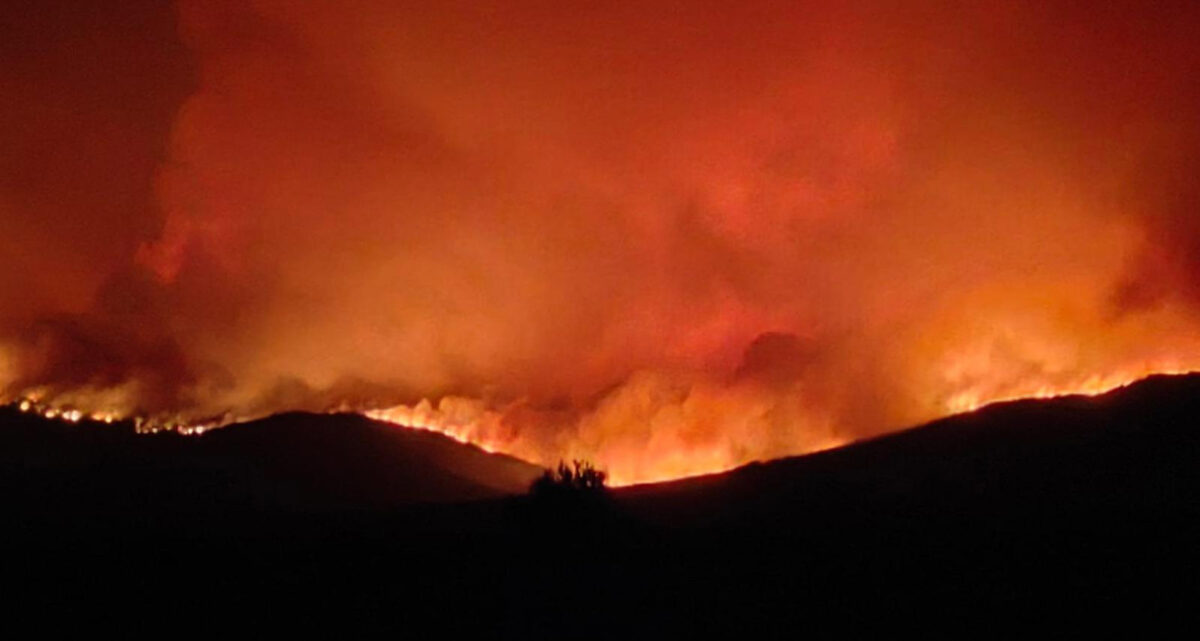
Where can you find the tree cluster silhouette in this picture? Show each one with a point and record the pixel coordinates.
(569, 505)
(579, 479)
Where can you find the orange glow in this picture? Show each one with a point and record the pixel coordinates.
(664, 459)
(734, 437)
(1093, 385)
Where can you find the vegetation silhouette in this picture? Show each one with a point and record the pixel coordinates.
(1073, 505)
(580, 480)
(572, 494)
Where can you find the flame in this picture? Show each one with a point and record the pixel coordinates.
(667, 454)
(659, 425)
(1095, 385)
(57, 411)
(664, 453)
(670, 459)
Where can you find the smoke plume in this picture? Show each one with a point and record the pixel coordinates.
(669, 236)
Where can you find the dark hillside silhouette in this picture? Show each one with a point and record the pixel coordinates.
(1072, 506)
(293, 462)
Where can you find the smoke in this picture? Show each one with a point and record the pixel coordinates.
(669, 236)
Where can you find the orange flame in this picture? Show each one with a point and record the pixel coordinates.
(667, 454)
(704, 429)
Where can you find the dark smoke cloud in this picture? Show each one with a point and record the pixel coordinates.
(720, 229)
(87, 98)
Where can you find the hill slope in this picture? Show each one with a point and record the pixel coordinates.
(292, 462)
(1087, 506)
(1133, 450)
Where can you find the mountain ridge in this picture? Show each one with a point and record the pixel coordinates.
(293, 461)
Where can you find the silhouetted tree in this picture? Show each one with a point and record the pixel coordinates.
(567, 505)
(580, 479)
(570, 486)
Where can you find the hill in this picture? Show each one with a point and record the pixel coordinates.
(1133, 450)
(1075, 506)
(288, 463)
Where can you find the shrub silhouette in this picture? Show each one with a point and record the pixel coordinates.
(567, 507)
(580, 480)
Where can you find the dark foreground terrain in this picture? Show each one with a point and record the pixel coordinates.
(1074, 508)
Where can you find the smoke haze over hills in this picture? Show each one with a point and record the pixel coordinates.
(669, 236)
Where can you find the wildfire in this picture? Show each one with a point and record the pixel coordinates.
(1095, 385)
(516, 431)
(668, 242)
(668, 458)
(65, 414)
(424, 416)
(142, 425)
